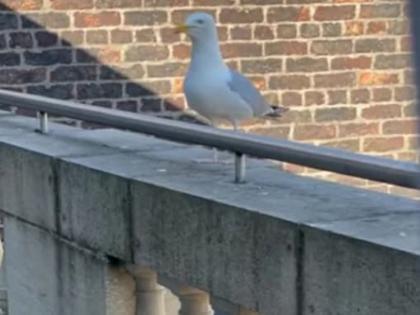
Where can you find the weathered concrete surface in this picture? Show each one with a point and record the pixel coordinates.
(270, 244)
(47, 276)
(343, 275)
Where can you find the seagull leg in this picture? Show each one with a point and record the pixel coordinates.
(215, 159)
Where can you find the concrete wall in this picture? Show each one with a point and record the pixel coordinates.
(278, 244)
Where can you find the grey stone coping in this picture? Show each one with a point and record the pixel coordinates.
(373, 216)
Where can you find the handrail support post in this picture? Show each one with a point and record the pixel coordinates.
(43, 122)
(240, 167)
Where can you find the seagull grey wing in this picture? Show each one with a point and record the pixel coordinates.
(247, 91)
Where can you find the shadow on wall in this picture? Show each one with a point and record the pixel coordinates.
(37, 61)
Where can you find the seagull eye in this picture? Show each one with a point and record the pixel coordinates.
(200, 21)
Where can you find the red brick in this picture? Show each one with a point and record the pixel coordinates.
(241, 15)
(383, 144)
(345, 79)
(406, 126)
(259, 2)
(337, 97)
(330, 13)
(413, 142)
(145, 18)
(109, 55)
(261, 66)
(406, 44)
(222, 32)
(164, 3)
(332, 47)
(72, 37)
(314, 98)
(374, 45)
(286, 48)
(275, 132)
(121, 36)
(360, 96)
(51, 20)
(382, 94)
(181, 51)
(97, 37)
(386, 10)
(410, 110)
(309, 30)
(259, 82)
(354, 28)
(71, 4)
(382, 111)
(297, 116)
(291, 99)
(293, 14)
(406, 93)
(146, 35)
(398, 61)
(377, 78)
(232, 50)
(399, 27)
(241, 33)
(286, 31)
(263, 32)
(358, 129)
(178, 86)
(335, 114)
(293, 82)
(212, 2)
(377, 27)
(168, 69)
(314, 132)
(306, 64)
(147, 52)
(348, 63)
(104, 18)
(108, 4)
(168, 35)
(22, 5)
(331, 29)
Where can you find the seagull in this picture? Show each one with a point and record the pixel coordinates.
(211, 88)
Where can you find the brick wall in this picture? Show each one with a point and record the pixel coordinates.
(343, 67)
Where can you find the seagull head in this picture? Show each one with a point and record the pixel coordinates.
(199, 27)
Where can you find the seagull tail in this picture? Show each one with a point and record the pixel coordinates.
(277, 111)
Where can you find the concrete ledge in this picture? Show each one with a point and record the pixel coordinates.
(278, 244)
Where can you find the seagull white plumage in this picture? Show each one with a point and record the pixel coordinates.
(213, 89)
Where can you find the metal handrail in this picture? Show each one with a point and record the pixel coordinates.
(399, 173)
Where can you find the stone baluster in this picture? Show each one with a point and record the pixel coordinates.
(149, 294)
(194, 302)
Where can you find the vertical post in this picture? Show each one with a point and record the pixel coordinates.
(194, 302)
(149, 294)
(240, 166)
(43, 122)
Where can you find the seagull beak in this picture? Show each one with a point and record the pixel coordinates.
(181, 28)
